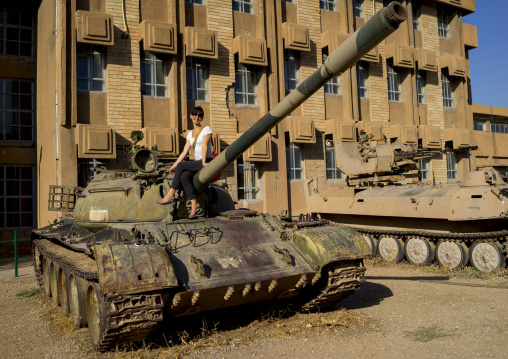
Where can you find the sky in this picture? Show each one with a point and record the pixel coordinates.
(489, 62)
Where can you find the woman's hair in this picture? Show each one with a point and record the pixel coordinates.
(198, 108)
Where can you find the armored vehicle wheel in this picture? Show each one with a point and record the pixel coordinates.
(453, 255)
(391, 248)
(77, 306)
(487, 256)
(62, 290)
(371, 241)
(419, 251)
(95, 313)
(45, 276)
(53, 282)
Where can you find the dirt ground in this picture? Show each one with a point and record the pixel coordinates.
(399, 312)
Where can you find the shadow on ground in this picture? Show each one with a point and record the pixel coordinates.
(369, 295)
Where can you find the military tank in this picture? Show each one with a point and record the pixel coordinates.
(399, 216)
(121, 263)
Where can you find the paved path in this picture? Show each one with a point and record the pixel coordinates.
(25, 270)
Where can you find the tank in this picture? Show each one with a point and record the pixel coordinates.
(120, 263)
(399, 216)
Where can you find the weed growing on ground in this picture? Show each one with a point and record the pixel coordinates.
(27, 293)
(426, 334)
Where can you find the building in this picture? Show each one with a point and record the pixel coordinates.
(108, 67)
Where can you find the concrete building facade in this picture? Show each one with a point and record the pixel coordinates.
(108, 67)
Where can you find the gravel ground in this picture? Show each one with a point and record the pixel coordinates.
(398, 312)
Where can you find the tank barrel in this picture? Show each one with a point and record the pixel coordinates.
(379, 27)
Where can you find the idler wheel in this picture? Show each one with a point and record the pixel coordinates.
(372, 242)
(45, 276)
(419, 251)
(453, 255)
(95, 313)
(391, 248)
(487, 256)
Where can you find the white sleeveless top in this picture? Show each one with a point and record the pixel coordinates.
(198, 151)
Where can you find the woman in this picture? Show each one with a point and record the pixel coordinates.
(200, 140)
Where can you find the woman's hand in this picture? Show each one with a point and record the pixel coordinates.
(172, 169)
(204, 164)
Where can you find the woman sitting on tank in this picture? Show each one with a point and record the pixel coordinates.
(200, 140)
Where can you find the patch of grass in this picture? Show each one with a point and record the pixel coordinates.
(471, 273)
(27, 293)
(62, 323)
(426, 334)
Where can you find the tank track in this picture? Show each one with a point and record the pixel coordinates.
(342, 279)
(128, 318)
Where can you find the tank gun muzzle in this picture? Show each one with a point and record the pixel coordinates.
(375, 30)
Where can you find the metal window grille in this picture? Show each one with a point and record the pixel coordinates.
(16, 33)
(245, 6)
(16, 110)
(248, 180)
(245, 85)
(416, 17)
(291, 69)
(394, 92)
(479, 125)
(294, 161)
(443, 24)
(425, 168)
(447, 92)
(361, 79)
(420, 86)
(197, 79)
(451, 166)
(17, 196)
(358, 8)
(91, 68)
(330, 5)
(154, 81)
(499, 127)
(332, 173)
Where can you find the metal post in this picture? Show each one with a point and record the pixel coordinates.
(15, 255)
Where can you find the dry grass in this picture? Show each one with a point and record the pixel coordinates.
(62, 324)
(27, 293)
(426, 334)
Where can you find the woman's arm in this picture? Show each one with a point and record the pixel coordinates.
(206, 140)
(182, 156)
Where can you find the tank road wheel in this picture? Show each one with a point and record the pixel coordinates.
(487, 256)
(77, 300)
(53, 282)
(45, 276)
(452, 254)
(62, 290)
(96, 314)
(419, 251)
(390, 248)
(372, 242)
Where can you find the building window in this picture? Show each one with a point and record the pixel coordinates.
(289, 1)
(448, 101)
(394, 92)
(416, 17)
(16, 110)
(154, 74)
(245, 6)
(425, 169)
(245, 85)
(358, 8)
(197, 79)
(91, 68)
(451, 166)
(503, 171)
(294, 161)
(17, 193)
(291, 69)
(332, 87)
(443, 24)
(329, 5)
(421, 82)
(248, 180)
(16, 33)
(332, 173)
(479, 125)
(87, 170)
(199, 2)
(499, 127)
(362, 79)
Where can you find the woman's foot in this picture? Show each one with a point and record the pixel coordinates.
(193, 211)
(168, 198)
(164, 202)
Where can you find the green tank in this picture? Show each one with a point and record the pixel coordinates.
(121, 263)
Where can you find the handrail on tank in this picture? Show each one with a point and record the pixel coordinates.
(375, 30)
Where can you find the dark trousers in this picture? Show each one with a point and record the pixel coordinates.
(184, 172)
